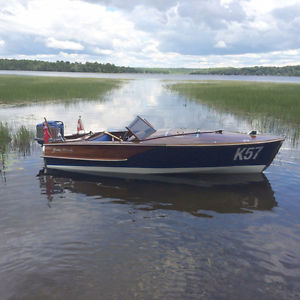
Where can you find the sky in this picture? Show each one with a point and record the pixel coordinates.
(153, 33)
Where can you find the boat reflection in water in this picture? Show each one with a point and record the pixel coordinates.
(192, 194)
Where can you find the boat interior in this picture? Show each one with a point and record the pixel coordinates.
(139, 129)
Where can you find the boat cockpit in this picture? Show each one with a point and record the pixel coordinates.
(139, 129)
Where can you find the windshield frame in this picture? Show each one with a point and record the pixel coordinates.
(140, 128)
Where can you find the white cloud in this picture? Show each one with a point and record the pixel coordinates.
(169, 33)
(103, 51)
(220, 44)
(68, 45)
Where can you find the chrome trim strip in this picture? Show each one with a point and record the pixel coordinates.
(89, 159)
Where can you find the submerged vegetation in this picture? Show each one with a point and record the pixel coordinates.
(19, 89)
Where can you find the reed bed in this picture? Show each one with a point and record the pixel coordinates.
(20, 89)
(275, 100)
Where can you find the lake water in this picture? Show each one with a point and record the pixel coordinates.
(171, 237)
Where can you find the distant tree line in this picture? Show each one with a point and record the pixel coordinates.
(271, 71)
(94, 67)
(62, 66)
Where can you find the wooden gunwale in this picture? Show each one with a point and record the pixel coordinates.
(149, 144)
(221, 144)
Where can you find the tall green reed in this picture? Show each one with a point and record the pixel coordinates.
(5, 139)
(22, 140)
(5, 136)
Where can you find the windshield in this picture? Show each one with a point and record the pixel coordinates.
(140, 128)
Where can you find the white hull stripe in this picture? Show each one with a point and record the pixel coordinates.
(120, 170)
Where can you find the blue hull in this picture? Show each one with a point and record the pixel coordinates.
(237, 158)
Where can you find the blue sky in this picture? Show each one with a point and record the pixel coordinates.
(153, 33)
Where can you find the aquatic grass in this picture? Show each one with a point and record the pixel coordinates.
(5, 139)
(277, 100)
(23, 139)
(5, 136)
(20, 89)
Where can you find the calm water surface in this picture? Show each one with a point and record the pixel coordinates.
(160, 237)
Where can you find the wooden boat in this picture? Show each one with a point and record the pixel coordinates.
(141, 149)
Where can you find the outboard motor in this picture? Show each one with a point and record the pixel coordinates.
(57, 130)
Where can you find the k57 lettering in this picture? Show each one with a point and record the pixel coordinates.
(247, 153)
